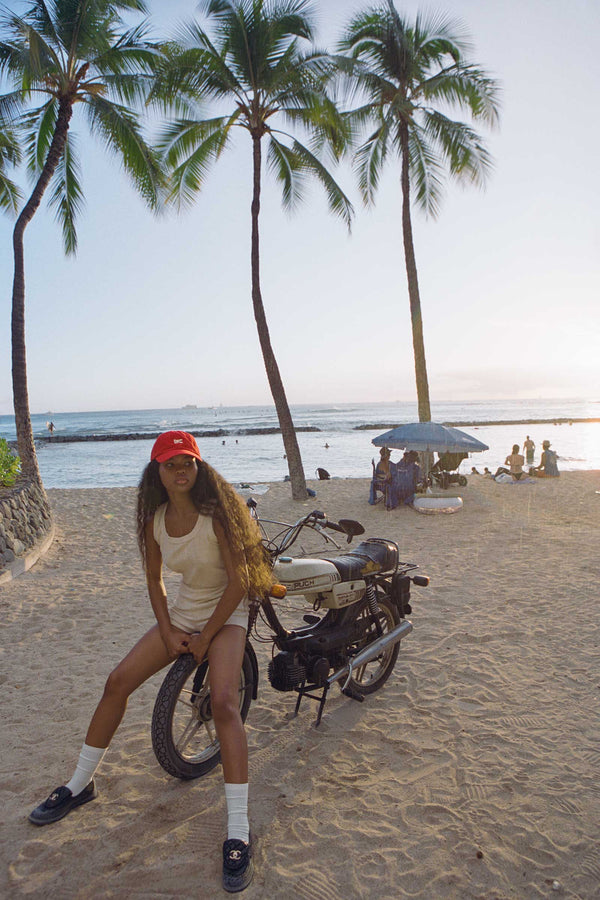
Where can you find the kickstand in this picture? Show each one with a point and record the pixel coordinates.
(299, 700)
(321, 705)
(304, 691)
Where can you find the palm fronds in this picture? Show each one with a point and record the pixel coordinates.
(10, 155)
(289, 171)
(189, 147)
(72, 54)
(401, 70)
(67, 196)
(121, 132)
(255, 58)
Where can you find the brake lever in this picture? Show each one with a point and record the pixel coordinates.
(328, 538)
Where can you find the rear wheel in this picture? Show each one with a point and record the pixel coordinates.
(183, 733)
(369, 677)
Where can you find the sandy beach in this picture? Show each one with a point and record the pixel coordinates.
(474, 773)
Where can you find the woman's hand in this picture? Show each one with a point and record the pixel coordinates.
(176, 641)
(198, 644)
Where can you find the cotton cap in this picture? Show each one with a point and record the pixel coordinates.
(174, 443)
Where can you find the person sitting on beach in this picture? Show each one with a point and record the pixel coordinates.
(474, 471)
(192, 521)
(529, 448)
(406, 475)
(383, 471)
(382, 478)
(548, 467)
(516, 462)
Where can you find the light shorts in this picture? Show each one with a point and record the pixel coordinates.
(182, 618)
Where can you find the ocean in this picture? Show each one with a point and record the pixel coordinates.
(239, 443)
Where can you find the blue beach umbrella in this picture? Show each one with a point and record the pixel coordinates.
(429, 436)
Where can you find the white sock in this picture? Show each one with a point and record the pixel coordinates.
(89, 760)
(236, 796)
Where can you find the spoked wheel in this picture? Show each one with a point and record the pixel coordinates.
(183, 733)
(369, 677)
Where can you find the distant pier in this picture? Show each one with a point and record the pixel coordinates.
(152, 435)
(247, 432)
(382, 426)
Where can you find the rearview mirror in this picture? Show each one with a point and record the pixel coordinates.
(351, 527)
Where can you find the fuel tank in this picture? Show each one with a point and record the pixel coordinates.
(317, 579)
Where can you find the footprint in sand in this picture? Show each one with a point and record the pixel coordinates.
(473, 707)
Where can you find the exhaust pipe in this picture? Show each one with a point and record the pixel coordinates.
(370, 652)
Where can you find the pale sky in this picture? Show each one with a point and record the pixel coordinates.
(156, 312)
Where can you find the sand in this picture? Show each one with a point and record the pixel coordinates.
(474, 773)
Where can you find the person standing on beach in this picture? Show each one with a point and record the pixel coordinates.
(529, 448)
(190, 519)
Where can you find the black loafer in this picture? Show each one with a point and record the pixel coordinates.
(238, 867)
(60, 803)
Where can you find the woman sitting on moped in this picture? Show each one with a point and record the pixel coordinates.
(190, 519)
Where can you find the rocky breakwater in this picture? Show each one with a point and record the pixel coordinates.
(26, 527)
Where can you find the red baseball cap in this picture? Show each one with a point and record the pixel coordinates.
(174, 443)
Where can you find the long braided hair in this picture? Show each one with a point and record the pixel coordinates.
(212, 495)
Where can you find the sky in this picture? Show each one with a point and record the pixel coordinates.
(155, 312)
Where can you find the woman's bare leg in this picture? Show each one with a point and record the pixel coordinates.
(225, 656)
(145, 659)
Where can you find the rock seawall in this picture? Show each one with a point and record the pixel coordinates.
(26, 526)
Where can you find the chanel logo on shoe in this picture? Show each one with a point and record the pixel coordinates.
(235, 854)
(54, 796)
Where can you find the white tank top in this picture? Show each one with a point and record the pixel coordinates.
(197, 558)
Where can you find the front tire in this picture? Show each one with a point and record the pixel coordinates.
(183, 733)
(372, 675)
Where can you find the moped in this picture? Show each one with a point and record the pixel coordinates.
(357, 606)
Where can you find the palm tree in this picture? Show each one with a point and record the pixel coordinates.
(70, 53)
(408, 75)
(259, 68)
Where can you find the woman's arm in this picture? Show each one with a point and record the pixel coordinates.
(175, 640)
(230, 599)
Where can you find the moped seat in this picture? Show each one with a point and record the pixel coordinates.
(349, 566)
(370, 556)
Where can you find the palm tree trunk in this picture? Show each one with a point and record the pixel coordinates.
(413, 288)
(29, 465)
(288, 432)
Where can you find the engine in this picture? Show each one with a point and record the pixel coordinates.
(286, 672)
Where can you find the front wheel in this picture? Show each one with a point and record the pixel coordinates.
(183, 733)
(369, 677)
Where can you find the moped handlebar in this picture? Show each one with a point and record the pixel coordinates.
(349, 527)
(334, 527)
(316, 520)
